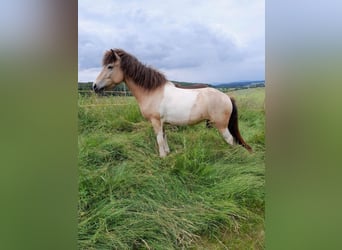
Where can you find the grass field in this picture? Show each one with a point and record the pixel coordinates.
(205, 195)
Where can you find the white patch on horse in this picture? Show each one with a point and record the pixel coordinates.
(175, 108)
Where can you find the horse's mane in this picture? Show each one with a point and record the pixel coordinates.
(144, 76)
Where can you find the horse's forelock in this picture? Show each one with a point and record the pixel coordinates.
(109, 57)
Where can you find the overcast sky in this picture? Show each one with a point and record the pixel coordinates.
(195, 41)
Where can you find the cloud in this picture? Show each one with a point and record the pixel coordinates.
(88, 75)
(187, 40)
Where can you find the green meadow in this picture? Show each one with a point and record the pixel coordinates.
(205, 194)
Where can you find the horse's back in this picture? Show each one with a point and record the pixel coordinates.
(216, 98)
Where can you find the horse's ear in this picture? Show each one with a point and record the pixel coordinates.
(115, 56)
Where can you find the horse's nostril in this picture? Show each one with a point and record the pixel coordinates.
(94, 86)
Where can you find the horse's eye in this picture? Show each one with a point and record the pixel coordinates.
(110, 67)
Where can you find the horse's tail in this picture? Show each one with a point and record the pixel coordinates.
(234, 128)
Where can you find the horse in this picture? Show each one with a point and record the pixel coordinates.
(161, 101)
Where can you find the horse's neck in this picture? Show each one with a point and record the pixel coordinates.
(136, 90)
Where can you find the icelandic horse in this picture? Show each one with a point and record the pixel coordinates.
(161, 101)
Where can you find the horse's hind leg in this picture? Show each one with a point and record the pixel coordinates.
(225, 133)
(208, 124)
(227, 136)
(158, 130)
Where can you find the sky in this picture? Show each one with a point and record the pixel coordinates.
(194, 41)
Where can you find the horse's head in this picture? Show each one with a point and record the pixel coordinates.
(111, 73)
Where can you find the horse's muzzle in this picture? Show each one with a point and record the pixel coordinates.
(96, 88)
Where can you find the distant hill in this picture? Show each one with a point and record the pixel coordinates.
(233, 85)
(241, 84)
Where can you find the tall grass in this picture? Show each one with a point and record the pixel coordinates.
(204, 195)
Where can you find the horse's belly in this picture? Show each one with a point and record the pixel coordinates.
(178, 119)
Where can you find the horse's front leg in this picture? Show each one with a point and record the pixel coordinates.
(158, 130)
(166, 145)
